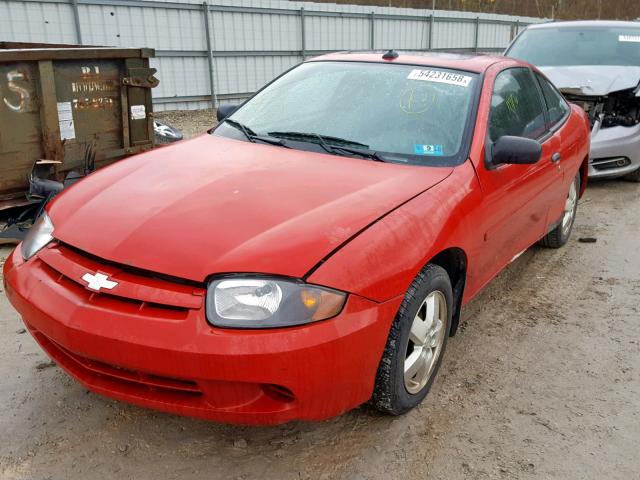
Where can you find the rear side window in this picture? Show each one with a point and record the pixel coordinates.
(556, 104)
(516, 106)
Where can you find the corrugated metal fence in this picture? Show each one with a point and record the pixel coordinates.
(224, 52)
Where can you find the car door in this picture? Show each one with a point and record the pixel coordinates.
(568, 140)
(516, 197)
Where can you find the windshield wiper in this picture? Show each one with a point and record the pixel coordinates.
(315, 136)
(332, 144)
(371, 154)
(253, 136)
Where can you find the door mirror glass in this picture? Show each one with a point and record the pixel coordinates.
(509, 150)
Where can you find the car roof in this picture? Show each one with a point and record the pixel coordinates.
(477, 63)
(584, 24)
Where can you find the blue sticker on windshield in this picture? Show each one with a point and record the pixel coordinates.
(428, 150)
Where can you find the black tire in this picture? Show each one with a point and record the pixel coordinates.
(633, 176)
(390, 393)
(559, 236)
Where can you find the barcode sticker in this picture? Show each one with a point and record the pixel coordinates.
(629, 38)
(440, 76)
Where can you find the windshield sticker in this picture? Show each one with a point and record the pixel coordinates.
(629, 38)
(428, 150)
(439, 76)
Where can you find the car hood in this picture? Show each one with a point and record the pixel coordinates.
(213, 205)
(592, 80)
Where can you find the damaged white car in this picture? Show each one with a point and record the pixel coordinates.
(595, 64)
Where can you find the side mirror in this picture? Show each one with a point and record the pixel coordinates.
(224, 111)
(514, 151)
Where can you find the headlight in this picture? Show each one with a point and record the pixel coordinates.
(268, 302)
(38, 237)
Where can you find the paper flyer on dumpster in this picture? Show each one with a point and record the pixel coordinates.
(65, 121)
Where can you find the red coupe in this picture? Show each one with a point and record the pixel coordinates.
(314, 250)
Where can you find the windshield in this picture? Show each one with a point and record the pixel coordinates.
(565, 46)
(404, 113)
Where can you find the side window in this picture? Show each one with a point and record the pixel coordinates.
(516, 106)
(556, 104)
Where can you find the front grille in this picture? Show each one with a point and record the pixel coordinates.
(610, 163)
(94, 371)
(137, 291)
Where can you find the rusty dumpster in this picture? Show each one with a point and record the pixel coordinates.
(57, 102)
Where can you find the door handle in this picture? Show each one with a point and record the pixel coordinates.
(556, 157)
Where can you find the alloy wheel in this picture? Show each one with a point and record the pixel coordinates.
(570, 207)
(426, 339)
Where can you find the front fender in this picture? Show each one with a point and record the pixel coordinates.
(382, 261)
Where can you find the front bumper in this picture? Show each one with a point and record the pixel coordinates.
(615, 152)
(184, 366)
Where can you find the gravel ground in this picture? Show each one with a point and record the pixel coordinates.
(542, 381)
(189, 122)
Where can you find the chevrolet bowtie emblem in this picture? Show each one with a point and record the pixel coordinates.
(98, 281)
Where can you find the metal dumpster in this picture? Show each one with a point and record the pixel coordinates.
(57, 102)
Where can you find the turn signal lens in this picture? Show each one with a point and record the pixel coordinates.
(309, 298)
(327, 304)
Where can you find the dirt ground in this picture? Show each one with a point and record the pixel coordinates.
(542, 381)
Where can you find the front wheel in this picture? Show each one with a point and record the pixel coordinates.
(416, 343)
(633, 176)
(557, 237)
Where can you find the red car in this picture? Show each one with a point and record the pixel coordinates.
(313, 251)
